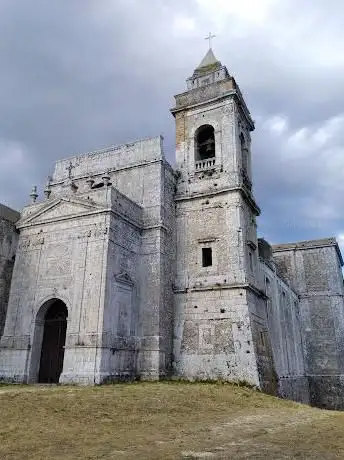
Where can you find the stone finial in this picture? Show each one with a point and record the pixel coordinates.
(90, 182)
(47, 190)
(73, 186)
(34, 194)
(106, 179)
(70, 185)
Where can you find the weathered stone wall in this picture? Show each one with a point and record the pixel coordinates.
(115, 158)
(121, 317)
(213, 337)
(206, 93)
(169, 242)
(261, 343)
(59, 256)
(314, 268)
(284, 330)
(8, 246)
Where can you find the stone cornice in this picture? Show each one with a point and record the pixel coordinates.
(235, 93)
(137, 225)
(222, 97)
(247, 196)
(221, 287)
(86, 208)
(309, 244)
(115, 170)
(319, 294)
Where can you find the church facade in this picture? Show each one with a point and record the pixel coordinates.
(131, 269)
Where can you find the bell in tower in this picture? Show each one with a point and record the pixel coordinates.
(205, 143)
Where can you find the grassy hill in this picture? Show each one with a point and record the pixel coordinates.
(162, 421)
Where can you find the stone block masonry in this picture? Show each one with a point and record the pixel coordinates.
(8, 246)
(314, 268)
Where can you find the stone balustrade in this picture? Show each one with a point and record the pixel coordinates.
(205, 164)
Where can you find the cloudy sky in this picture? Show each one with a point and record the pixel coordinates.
(77, 75)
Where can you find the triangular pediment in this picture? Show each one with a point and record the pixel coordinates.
(60, 209)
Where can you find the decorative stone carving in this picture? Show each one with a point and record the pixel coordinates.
(106, 180)
(90, 182)
(228, 108)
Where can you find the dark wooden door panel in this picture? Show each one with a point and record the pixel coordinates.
(53, 343)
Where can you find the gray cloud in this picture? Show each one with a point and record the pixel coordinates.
(81, 74)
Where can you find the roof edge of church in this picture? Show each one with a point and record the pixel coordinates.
(310, 244)
(8, 213)
(112, 148)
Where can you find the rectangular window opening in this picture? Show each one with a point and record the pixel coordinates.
(207, 257)
(262, 340)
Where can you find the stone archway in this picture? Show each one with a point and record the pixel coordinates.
(53, 342)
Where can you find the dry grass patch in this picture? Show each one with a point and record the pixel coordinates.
(162, 421)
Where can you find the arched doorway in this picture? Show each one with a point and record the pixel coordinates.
(54, 338)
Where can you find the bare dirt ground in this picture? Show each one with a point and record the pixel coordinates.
(162, 421)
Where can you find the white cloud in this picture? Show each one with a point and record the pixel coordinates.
(340, 239)
(250, 12)
(316, 137)
(277, 124)
(183, 26)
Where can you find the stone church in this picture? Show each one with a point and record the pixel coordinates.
(128, 268)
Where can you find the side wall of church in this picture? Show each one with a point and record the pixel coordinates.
(123, 296)
(314, 268)
(284, 331)
(169, 249)
(140, 310)
(8, 246)
(247, 234)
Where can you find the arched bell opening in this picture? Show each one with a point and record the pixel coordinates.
(204, 143)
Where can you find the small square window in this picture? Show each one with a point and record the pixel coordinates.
(207, 257)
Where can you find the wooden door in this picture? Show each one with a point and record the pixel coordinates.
(54, 338)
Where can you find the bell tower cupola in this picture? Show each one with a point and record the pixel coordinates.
(210, 70)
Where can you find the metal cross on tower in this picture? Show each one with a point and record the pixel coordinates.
(210, 37)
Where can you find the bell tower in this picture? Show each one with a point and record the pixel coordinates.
(217, 284)
(213, 126)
